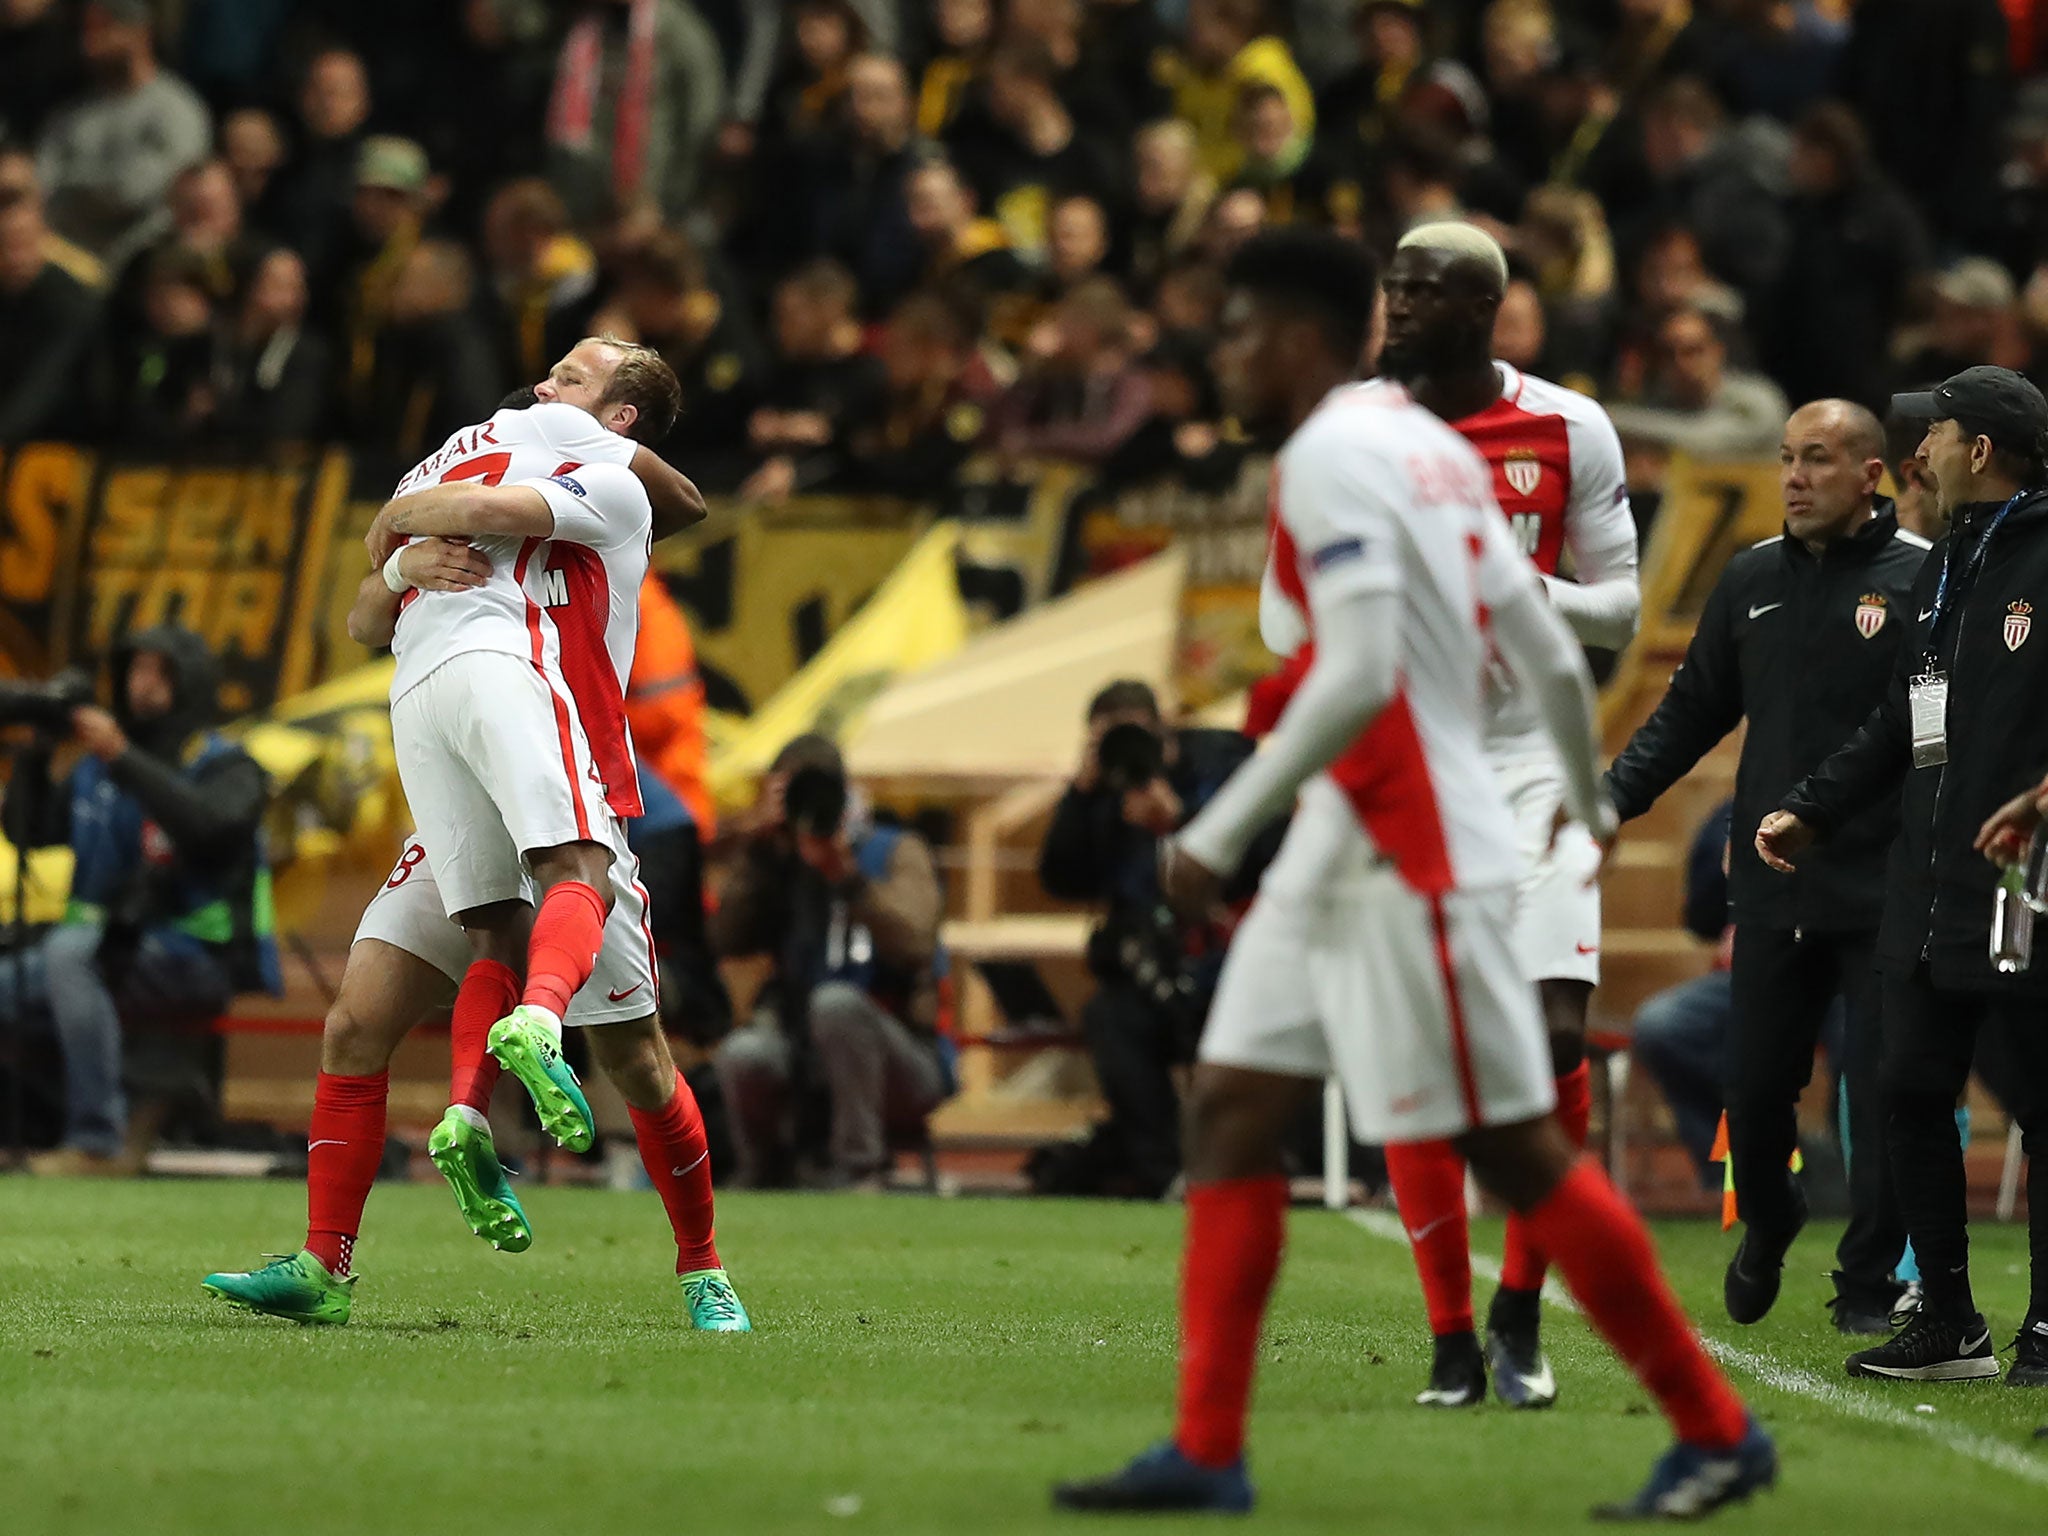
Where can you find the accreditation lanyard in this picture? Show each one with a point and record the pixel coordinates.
(1972, 563)
(1927, 693)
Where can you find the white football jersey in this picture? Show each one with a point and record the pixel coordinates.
(569, 604)
(1374, 493)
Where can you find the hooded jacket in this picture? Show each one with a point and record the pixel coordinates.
(1938, 889)
(169, 833)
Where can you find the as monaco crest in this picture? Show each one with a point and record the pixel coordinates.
(1870, 614)
(2018, 622)
(1524, 471)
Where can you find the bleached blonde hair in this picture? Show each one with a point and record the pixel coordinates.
(1454, 237)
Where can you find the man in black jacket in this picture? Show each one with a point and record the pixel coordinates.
(1799, 636)
(170, 912)
(1961, 726)
(1103, 846)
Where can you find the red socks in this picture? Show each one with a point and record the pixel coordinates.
(490, 989)
(1523, 1262)
(1232, 1252)
(1605, 1254)
(344, 1149)
(1429, 1188)
(568, 931)
(678, 1159)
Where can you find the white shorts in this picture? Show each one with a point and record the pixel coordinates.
(1418, 1005)
(1557, 902)
(494, 764)
(406, 912)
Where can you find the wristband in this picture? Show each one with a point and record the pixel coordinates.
(392, 579)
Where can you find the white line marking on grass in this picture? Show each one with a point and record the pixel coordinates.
(1784, 1378)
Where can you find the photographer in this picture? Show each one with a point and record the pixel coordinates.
(849, 910)
(1139, 781)
(169, 914)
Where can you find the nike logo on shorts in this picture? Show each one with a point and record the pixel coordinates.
(1757, 613)
(1589, 949)
(620, 997)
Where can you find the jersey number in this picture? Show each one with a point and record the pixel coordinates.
(1527, 528)
(407, 863)
(487, 467)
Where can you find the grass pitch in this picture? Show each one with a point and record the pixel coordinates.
(920, 1367)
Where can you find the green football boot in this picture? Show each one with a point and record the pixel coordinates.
(714, 1304)
(527, 1048)
(295, 1285)
(468, 1160)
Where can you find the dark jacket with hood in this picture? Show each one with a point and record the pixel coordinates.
(167, 836)
(1938, 889)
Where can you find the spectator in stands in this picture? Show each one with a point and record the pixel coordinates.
(1081, 394)
(1695, 402)
(1521, 50)
(639, 94)
(1227, 48)
(1721, 182)
(1105, 57)
(386, 215)
(1172, 198)
(860, 193)
(108, 158)
(276, 371)
(1520, 336)
(38, 64)
(963, 31)
(19, 183)
(203, 220)
(665, 300)
(436, 368)
(1563, 242)
(253, 146)
(48, 323)
(972, 254)
(1077, 243)
(1680, 1036)
(1860, 245)
(1975, 320)
(1420, 169)
(1778, 58)
(160, 385)
(1282, 164)
(312, 194)
(1233, 219)
(1358, 107)
(849, 910)
(1181, 439)
(541, 278)
(1189, 303)
(1024, 151)
(1139, 780)
(821, 378)
(170, 896)
(912, 441)
(807, 94)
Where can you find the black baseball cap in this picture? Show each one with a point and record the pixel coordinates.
(1986, 402)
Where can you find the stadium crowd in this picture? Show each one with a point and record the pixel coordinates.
(873, 236)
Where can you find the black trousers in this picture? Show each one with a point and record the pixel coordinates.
(1783, 982)
(1932, 1037)
(1134, 1048)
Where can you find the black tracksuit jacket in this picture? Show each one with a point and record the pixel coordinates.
(1804, 647)
(1938, 889)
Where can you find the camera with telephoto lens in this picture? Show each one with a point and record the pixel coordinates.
(46, 705)
(814, 801)
(1131, 756)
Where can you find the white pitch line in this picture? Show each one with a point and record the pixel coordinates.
(1800, 1383)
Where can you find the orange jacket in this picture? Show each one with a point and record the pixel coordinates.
(665, 702)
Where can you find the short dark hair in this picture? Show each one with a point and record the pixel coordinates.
(809, 750)
(643, 380)
(1125, 696)
(824, 280)
(1902, 437)
(1312, 272)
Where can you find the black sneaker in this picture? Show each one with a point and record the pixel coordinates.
(1457, 1378)
(1931, 1347)
(1857, 1311)
(1514, 1350)
(2030, 1355)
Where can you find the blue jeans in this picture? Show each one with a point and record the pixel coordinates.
(59, 979)
(1681, 1040)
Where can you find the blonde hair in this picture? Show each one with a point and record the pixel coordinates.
(1454, 237)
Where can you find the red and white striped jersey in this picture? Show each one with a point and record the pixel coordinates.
(1375, 493)
(1558, 475)
(569, 604)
